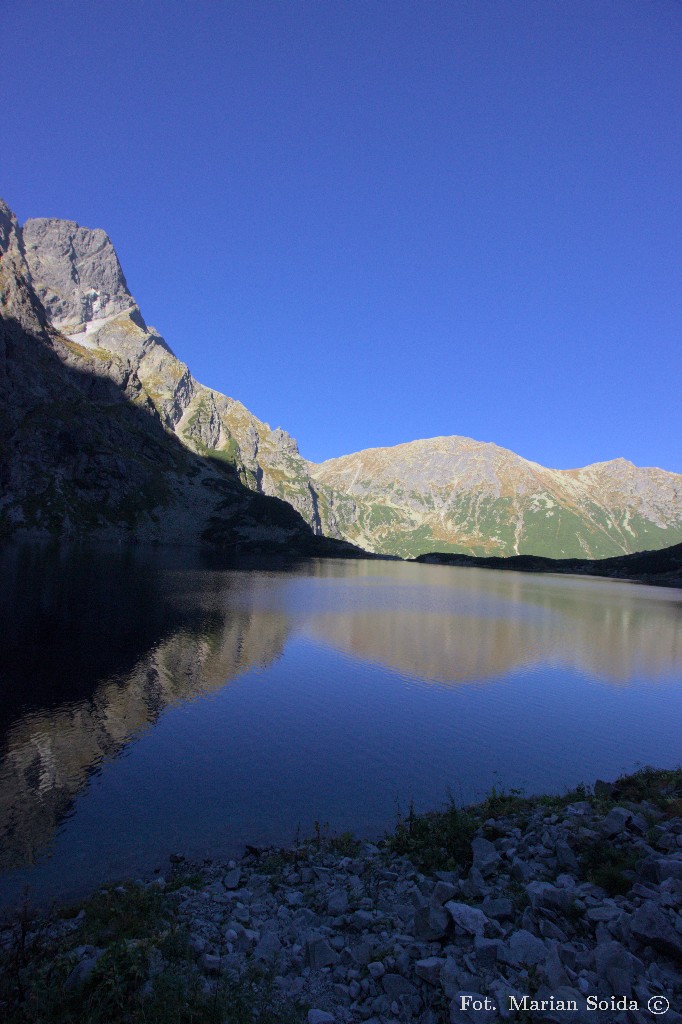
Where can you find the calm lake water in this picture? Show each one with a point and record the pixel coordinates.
(154, 703)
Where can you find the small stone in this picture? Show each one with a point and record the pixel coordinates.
(210, 964)
(669, 867)
(429, 969)
(523, 948)
(232, 879)
(337, 902)
(395, 986)
(652, 928)
(268, 949)
(376, 969)
(320, 1017)
(543, 896)
(442, 892)
(486, 951)
(362, 952)
(431, 923)
(486, 857)
(500, 908)
(603, 913)
(197, 944)
(83, 970)
(362, 919)
(615, 822)
(319, 953)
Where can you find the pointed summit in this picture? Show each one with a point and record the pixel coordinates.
(75, 272)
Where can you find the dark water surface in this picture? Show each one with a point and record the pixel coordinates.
(153, 703)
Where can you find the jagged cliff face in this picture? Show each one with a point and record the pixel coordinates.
(78, 278)
(456, 494)
(103, 431)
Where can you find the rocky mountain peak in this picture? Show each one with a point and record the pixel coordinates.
(75, 272)
(65, 282)
(461, 495)
(8, 226)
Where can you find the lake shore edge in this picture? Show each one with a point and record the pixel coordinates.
(522, 904)
(658, 568)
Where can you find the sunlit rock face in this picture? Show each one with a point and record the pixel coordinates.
(75, 272)
(104, 432)
(457, 494)
(78, 278)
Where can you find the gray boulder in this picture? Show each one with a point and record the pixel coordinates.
(320, 1017)
(82, 971)
(430, 923)
(486, 857)
(523, 948)
(395, 985)
(467, 919)
(319, 953)
(429, 969)
(232, 878)
(615, 822)
(651, 928)
(337, 903)
(617, 966)
(268, 949)
(544, 896)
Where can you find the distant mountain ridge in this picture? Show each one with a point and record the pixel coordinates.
(104, 430)
(460, 495)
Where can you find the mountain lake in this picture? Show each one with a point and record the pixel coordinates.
(160, 702)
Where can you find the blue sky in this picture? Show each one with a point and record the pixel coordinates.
(378, 221)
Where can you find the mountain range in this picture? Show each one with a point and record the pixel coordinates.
(104, 431)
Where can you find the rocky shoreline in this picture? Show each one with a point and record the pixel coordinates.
(540, 909)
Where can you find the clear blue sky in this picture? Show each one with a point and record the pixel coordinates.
(378, 221)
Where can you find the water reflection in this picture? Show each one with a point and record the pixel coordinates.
(97, 644)
(479, 625)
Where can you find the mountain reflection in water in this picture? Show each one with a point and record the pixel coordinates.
(501, 621)
(98, 643)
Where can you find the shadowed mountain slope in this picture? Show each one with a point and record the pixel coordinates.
(78, 278)
(89, 399)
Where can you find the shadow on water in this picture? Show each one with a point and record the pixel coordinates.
(97, 644)
(72, 617)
